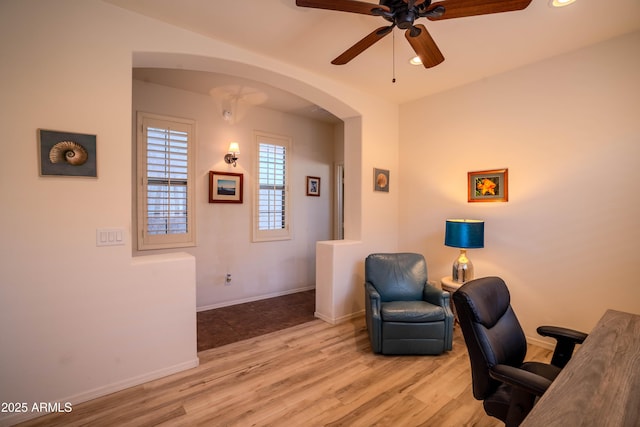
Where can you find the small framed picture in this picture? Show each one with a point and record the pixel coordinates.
(488, 186)
(67, 153)
(381, 180)
(225, 187)
(313, 186)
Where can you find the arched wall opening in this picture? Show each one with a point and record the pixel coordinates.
(351, 117)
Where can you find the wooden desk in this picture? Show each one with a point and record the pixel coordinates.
(600, 386)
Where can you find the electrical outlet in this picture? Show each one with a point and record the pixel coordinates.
(227, 280)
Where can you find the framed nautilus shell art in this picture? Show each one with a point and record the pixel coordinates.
(67, 153)
(381, 180)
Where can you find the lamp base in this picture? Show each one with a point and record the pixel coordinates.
(462, 268)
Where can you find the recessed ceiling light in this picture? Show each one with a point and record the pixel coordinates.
(415, 61)
(561, 3)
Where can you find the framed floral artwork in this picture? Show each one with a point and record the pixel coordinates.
(488, 186)
(225, 187)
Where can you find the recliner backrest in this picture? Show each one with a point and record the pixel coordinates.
(491, 330)
(397, 276)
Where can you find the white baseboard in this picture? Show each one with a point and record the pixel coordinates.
(255, 298)
(104, 390)
(336, 320)
(541, 343)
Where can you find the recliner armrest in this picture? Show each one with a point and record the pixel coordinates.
(372, 315)
(435, 295)
(524, 380)
(566, 342)
(373, 296)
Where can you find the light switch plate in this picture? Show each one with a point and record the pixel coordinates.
(109, 237)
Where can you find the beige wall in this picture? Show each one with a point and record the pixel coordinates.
(77, 320)
(568, 129)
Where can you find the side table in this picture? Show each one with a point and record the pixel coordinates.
(450, 286)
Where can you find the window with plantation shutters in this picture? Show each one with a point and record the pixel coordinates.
(165, 182)
(272, 207)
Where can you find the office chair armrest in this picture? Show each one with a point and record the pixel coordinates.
(560, 333)
(435, 296)
(526, 387)
(566, 342)
(527, 381)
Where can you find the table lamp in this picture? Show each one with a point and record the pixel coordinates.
(464, 234)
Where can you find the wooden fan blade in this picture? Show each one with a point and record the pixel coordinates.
(344, 6)
(362, 45)
(425, 46)
(462, 8)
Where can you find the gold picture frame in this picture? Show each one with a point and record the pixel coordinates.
(488, 186)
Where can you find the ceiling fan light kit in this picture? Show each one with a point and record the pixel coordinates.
(560, 3)
(404, 13)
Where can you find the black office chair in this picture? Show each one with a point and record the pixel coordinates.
(506, 384)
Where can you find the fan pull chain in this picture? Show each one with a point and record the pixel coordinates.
(393, 56)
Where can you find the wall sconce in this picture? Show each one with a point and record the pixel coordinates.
(464, 234)
(232, 156)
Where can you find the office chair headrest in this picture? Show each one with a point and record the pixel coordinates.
(488, 299)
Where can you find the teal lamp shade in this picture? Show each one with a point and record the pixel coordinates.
(464, 234)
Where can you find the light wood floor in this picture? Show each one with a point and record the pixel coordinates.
(314, 374)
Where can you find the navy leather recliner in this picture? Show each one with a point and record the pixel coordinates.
(404, 313)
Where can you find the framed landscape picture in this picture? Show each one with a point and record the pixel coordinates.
(488, 186)
(225, 187)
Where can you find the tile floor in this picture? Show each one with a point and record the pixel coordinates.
(225, 325)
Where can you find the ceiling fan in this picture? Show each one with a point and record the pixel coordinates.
(403, 13)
